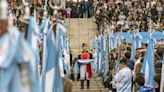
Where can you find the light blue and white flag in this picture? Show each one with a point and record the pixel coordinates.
(111, 41)
(9, 73)
(101, 54)
(117, 40)
(85, 61)
(66, 62)
(16, 53)
(64, 46)
(68, 49)
(25, 55)
(49, 58)
(76, 67)
(162, 76)
(94, 43)
(136, 44)
(33, 40)
(60, 32)
(148, 64)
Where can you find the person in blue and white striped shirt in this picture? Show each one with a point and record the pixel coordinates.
(123, 78)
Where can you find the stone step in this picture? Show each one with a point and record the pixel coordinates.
(85, 84)
(85, 87)
(91, 87)
(91, 90)
(100, 84)
(90, 81)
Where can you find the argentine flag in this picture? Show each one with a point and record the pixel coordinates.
(25, 55)
(67, 62)
(15, 52)
(162, 76)
(33, 40)
(94, 43)
(148, 64)
(49, 58)
(85, 61)
(111, 41)
(136, 44)
(60, 33)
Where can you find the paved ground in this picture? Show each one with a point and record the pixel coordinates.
(95, 86)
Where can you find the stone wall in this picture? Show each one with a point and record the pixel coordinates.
(80, 31)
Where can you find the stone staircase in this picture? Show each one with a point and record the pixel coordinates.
(82, 30)
(95, 86)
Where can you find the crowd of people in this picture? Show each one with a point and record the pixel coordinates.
(126, 14)
(132, 68)
(135, 16)
(82, 9)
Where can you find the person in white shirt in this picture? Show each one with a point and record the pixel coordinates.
(122, 16)
(123, 78)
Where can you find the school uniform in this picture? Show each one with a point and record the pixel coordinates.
(123, 80)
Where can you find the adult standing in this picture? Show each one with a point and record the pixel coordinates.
(85, 7)
(123, 77)
(85, 68)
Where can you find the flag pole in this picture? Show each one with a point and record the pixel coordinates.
(162, 75)
(34, 5)
(150, 27)
(45, 13)
(26, 17)
(3, 17)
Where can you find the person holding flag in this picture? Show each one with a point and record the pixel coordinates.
(85, 67)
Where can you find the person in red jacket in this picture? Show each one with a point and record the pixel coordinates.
(85, 69)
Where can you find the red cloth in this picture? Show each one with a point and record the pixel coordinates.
(89, 70)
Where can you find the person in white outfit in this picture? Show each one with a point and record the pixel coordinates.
(123, 78)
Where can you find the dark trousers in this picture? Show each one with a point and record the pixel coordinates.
(78, 76)
(82, 84)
